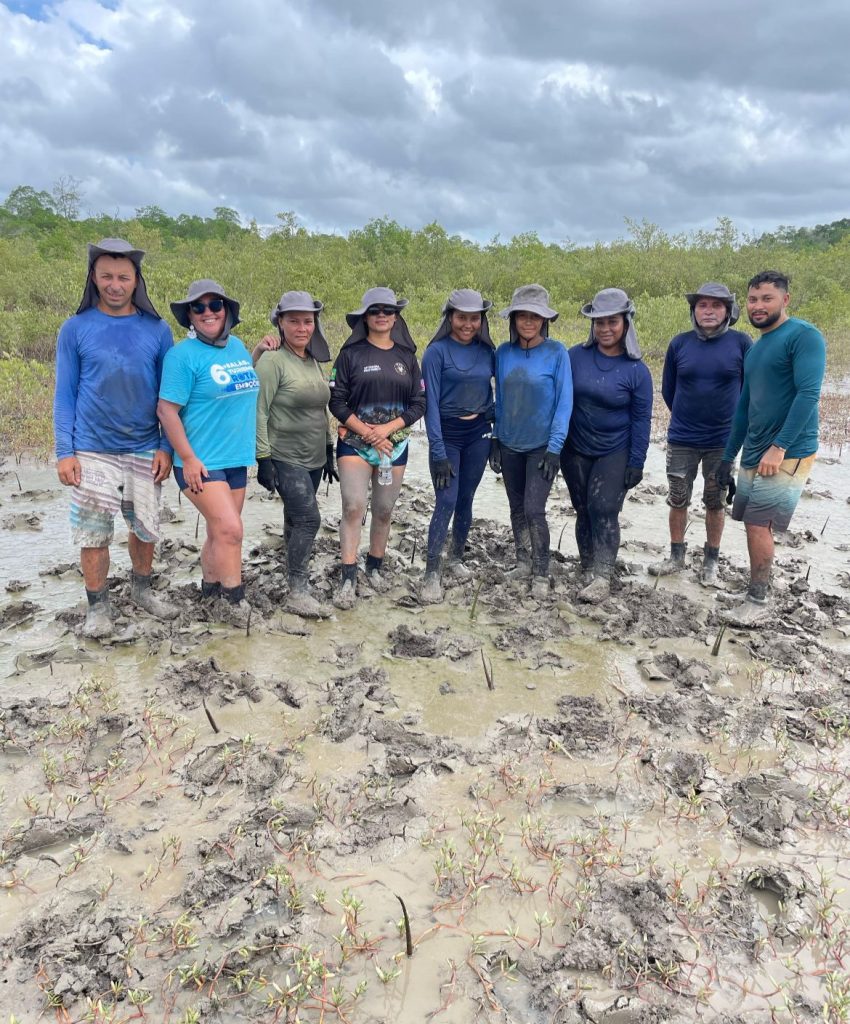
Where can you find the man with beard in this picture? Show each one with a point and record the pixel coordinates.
(109, 448)
(703, 372)
(777, 423)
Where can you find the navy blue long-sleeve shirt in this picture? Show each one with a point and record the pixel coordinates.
(534, 396)
(108, 371)
(701, 385)
(612, 405)
(458, 382)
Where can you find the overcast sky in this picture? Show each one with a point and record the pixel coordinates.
(489, 116)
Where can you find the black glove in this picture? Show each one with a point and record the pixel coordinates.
(725, 479)
(266, 476)
(549, 465)
(442, 471)
(730, 494)
(634, 475)
(495, 455)
(329, 471)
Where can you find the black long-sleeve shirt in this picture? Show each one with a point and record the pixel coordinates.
(376, 385)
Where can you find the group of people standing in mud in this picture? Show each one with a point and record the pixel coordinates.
(131, 406)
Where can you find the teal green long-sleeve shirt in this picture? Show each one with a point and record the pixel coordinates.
(783, 374)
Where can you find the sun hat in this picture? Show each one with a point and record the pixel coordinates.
(611, 302)
(465, 300)
(356, 319)
(530, 298)
(714, 290)
(116, 247)
(206, 286)
(303, 302)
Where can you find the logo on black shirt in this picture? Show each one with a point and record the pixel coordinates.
(400, 368)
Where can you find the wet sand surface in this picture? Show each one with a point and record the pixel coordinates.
(635, 824)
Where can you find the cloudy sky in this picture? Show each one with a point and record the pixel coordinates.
(489, 116)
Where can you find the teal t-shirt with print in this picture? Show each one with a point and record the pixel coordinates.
(217, 390)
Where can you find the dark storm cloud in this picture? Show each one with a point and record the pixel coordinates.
(490, 118)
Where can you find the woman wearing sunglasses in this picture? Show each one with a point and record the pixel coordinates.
(458, 368)
(207, 407)
(376, 394)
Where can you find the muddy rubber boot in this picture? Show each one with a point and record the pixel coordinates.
(233, 609)
(675, 561)
(431, 592)
(144, 597)
(708, 573)
(455, 568)
(345, 596)
(301, 602)
(540, 588)
(98, 624)
(522, 569)
(375, 577)
(597, 590)
(754, 611)
(210, 591)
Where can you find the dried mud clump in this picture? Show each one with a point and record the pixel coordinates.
(235, 763)
(347, 696)
(764, 807)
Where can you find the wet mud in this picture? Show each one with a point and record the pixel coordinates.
(623, 812)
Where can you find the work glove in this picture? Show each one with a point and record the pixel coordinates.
(549, 465)
(725, 479)
(329, 470)
(495, 458)
(634, 475)
(266, 476)
(442, 471)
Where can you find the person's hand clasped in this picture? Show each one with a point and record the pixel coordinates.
(68, 471)
(266, 476)
(194, 472)
(634, 475)
(443, 472)
(771, 461)
(161, 465)
(549, 465)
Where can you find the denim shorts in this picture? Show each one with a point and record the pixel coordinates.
(236, 477)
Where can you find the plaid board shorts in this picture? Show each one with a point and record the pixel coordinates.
(771, 500)
(109, 484)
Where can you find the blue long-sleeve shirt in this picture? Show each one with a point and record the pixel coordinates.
(458, 382)
(783, 374)
(701, 385)
(534, 396)
(108, 370)
(612, 405)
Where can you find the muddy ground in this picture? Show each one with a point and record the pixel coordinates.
(637, 823)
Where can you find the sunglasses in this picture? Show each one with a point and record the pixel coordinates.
(382, 311)
(214, 306)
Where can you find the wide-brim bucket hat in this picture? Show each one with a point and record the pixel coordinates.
(204, 286)
(530, 298)
(465, 300)
(303, 302)
(356, 319)
(122, 248)
(613, 302)
(716, 290)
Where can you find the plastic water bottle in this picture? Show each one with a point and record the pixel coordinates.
(385, 470)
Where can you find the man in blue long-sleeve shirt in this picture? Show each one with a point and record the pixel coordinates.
(776, 421)
(109, 448)
(703, 372)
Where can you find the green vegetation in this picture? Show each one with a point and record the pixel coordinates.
(42, 259)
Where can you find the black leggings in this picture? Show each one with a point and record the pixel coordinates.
(528, 491)
(301, 520)
(597, 491)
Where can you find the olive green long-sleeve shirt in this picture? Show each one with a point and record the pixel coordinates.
(292, 411)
